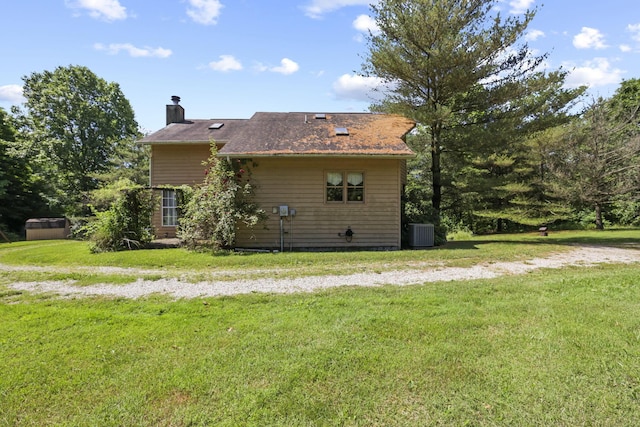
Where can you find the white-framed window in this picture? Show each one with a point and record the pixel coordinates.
(344, 187)
(169, 208)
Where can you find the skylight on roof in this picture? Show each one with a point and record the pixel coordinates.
(216, 126)
(321, 116)
(342, 131)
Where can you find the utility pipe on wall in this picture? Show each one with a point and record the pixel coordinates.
(281, 234)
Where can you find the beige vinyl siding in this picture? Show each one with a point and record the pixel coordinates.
(178, 164)
(175, 165)
(300, 184)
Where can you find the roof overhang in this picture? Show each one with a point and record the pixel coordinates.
(317, 155)
(209, 142)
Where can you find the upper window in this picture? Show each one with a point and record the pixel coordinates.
(169, 208)
(345, 187)
(355, 187)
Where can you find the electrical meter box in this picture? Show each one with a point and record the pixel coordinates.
(284, 210)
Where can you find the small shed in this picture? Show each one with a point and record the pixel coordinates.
(47, 228)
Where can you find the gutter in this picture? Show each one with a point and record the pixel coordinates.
(311, 155)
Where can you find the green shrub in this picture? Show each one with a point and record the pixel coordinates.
(418, 209)
(587, 219)
(125, 225)
(213, 210)
(626, 213)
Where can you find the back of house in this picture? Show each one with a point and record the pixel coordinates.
(326, 180)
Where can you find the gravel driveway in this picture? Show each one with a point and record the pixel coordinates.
(179, 288)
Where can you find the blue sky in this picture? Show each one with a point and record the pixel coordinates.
(231, 58)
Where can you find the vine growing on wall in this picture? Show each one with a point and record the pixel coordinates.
(214, 210)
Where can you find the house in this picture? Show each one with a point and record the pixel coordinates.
(327, 180)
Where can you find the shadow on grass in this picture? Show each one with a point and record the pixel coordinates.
(618, 238)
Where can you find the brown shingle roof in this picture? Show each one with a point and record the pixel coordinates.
(195, 131)
(296, 134)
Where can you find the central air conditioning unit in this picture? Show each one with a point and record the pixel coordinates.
(421, 235)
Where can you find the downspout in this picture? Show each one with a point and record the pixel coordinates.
(281, 234)
(291, 234)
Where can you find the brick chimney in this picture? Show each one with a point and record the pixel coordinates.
(175, 112)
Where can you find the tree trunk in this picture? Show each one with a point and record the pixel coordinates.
(436, 174)
(599, 224)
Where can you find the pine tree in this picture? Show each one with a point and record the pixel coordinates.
(459, 69)
(596, 160)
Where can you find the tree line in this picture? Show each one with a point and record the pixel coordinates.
(60, 152)
(502, 144)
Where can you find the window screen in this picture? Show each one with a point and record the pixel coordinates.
(169, 208)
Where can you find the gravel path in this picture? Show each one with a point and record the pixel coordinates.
(178, 288)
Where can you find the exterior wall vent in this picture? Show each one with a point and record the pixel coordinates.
(421, 235)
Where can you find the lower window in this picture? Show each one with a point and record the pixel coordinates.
(345, 187)
(169, 208)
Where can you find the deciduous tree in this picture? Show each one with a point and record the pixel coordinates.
(75, 122)
(21, 191)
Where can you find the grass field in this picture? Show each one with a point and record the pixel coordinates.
(71, 254)
(552, 347)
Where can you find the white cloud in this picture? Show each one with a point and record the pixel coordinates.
(316, 8)
(136, 52)
(520, 6)
(108, 10)
(589, 38)
(226, 63)
(598, 72)
(205, 11)
(359, 88)
(366, 24)
(534, 35)
(286, 67)
(11, 93)
(635, 30)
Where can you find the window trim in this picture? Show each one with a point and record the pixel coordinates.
(345, 186)
(166, 208)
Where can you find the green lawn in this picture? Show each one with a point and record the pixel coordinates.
(69, 254)
(553, 347)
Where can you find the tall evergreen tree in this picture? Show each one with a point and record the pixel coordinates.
(458, 68)
(596, 161)
(504, 172)
(129, 162)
